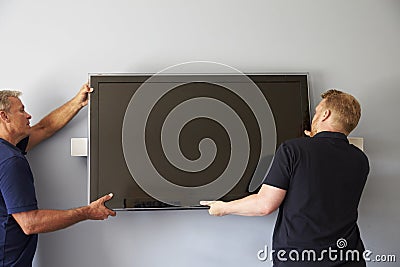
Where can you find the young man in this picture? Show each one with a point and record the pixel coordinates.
(317, 184)
(20, 218)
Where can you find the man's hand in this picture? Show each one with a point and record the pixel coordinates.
(216, 207)
(308, 133)
(97, 211)
(82, 98)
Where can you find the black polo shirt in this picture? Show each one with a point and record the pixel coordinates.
(324, 177)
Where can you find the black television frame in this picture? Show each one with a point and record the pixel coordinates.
(93, 119)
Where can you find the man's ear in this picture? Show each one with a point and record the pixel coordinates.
(3, 116)
(326, 114)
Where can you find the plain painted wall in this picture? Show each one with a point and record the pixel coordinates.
(47, 49)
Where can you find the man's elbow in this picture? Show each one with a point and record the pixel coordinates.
(267, 209)
(27, 222)
(269, 199)
(28, 229)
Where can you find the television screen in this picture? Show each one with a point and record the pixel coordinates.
(169, 141)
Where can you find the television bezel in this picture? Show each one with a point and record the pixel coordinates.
(124, 77)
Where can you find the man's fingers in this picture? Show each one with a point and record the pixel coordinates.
(86, 88)
(206, 203)
(112, 213)
(106, 198)
(308, 133)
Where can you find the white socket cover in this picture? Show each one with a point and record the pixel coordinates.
(357, 141)
(79, 147)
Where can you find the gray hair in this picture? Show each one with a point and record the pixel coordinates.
(4, 101)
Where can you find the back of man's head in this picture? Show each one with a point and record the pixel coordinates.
(346, 109)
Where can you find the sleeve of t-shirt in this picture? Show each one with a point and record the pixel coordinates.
(17, 188)
(279, 174)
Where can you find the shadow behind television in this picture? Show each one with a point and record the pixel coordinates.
(166, 142)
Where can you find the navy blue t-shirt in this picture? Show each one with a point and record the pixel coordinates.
(17, 194)
(324, 177)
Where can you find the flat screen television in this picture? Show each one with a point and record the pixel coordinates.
(168, 141)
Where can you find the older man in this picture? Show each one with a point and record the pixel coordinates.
(20, 218)
(317, 184)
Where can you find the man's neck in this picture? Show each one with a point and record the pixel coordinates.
(9, 138)
(331, 129)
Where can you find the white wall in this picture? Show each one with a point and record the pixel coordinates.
(47, 48)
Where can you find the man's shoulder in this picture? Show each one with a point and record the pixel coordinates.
(299, 145)
(5, 150)
(7, 153)
(300, 141)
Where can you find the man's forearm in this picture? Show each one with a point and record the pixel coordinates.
(267, 200)
(249, 206)
(42, 221)
(58, 118)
